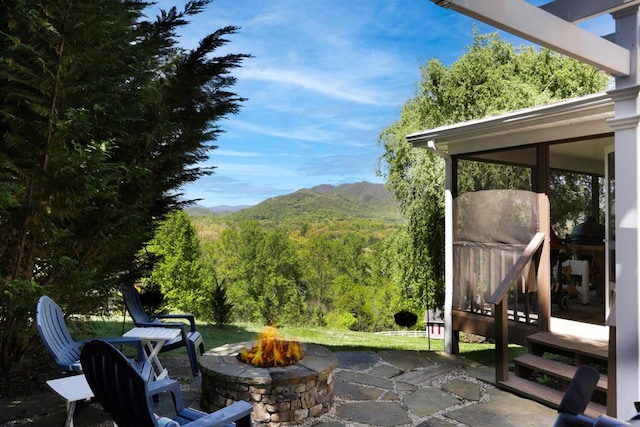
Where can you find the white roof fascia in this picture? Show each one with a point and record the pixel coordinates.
(574, 118)
(541, 27)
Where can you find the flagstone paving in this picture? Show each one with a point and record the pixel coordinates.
(410, 388)
(389, 388)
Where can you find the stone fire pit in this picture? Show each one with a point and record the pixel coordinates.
(280, 396)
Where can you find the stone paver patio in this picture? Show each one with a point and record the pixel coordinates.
(389, 388)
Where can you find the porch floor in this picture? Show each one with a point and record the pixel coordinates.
(587, 318)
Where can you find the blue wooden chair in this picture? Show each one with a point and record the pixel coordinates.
(65, 350)
(577, 398)
(191, 339)
(127, 397)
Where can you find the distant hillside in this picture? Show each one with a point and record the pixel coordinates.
(221, 210)
(360, 200)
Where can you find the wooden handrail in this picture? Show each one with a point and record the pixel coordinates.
(500, 307)
(517, 269)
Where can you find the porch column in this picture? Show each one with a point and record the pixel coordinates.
(450, 342)
(627, 299)
(627, 218)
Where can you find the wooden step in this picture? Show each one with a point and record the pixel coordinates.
(545, 395)
(583, 349)
(554, 368)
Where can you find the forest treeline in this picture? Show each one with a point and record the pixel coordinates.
(343, 273)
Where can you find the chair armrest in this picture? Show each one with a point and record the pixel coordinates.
(147, 324)
(187, 316)
(223, 416)
(164, 385)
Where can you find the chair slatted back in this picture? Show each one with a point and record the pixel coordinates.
(55, 335)
(133, 302)
(117, 385)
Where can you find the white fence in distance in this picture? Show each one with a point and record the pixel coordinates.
(436, 331)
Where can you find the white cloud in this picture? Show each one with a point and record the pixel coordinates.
(308, 133)
(246, 170)
(328, 85)
(231, 153)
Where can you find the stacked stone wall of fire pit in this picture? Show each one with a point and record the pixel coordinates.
(280, 396)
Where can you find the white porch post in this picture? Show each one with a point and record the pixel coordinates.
(448, 254)
(448, 248)
(627, 218)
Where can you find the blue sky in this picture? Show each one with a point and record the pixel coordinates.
(325, 78)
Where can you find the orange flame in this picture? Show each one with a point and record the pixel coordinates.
(271, 350)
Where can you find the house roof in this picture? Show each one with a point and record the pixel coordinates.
(581, 119)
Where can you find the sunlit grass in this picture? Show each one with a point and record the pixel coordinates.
(335, 340)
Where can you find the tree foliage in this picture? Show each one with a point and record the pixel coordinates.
(220, 305)
(325, 273)
(491, 77)
(571, 201)
(270, 272)
(103, 118)
(178, 268)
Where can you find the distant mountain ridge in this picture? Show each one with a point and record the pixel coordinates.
(221, 210)
(358, 200)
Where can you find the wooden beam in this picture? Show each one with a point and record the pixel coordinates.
(541, 27)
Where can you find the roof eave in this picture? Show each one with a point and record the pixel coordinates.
(576, 110)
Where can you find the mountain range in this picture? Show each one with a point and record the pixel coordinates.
(358, 200)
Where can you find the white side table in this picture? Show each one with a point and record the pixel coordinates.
(154, 339)
(73, 389)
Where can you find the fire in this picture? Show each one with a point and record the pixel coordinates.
(271, 350)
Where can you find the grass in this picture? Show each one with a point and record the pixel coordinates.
(335, 340)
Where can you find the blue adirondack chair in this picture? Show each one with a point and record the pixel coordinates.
(65, 350)
(576, 399)
(191, 339)
(127, 397)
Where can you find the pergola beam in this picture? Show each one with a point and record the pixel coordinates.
(573, 11)
(541, 27)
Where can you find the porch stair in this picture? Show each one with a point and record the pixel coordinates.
(544, 373)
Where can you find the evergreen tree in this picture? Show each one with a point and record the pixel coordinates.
(179, 269)
(103, 118)
(220, 304)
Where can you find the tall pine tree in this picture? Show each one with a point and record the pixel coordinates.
(103, 118)
(179, 269)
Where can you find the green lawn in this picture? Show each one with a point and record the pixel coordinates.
(335, 340)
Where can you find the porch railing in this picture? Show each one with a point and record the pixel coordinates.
(480, 269)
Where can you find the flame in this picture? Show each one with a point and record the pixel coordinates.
(271, 350)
